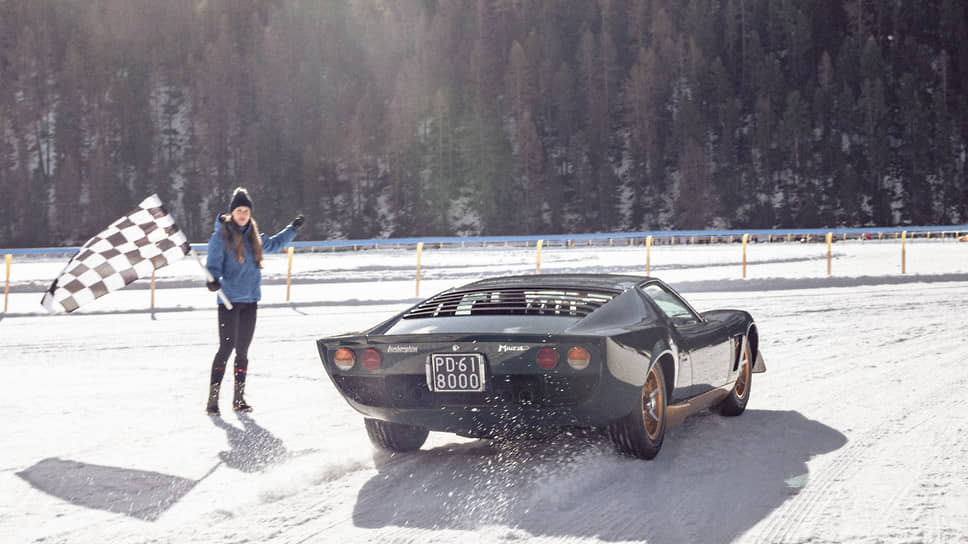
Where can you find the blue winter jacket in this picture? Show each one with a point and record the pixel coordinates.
(241, 282)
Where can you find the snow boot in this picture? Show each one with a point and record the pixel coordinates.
(238, 403)
(212, 408)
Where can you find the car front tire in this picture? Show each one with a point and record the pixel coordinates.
(735, 403)
(396, 437)
(640, 433)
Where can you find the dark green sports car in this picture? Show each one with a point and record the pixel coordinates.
(521, 355)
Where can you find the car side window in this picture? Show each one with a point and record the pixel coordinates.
(678, 312)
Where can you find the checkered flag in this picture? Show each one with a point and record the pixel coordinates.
(142, 241)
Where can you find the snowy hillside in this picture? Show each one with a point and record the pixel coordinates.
(858, 431)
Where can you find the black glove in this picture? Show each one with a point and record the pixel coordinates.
(213, 285)
(298, 221)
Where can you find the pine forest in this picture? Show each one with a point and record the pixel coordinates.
(393, 118)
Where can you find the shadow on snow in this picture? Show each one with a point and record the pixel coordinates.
(140, 494)
(147, 495)
(714, 479)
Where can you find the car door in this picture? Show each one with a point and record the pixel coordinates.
(703, 344)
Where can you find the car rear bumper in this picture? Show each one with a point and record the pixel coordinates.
(511, 404)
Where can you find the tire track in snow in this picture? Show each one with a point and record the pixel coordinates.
(798, 515)
(797, 519)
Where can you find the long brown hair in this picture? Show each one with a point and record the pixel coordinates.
(236, 242)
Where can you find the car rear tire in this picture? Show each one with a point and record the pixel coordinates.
(640, 433)
(396, 437)
(735, 403)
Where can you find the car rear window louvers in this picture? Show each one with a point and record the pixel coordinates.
(514, 301)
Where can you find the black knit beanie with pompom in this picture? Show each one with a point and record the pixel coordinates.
(240, 198)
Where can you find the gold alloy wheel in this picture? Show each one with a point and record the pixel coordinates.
(743, 380)
(653, 405)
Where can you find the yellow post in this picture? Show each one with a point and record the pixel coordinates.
(6, 286)
(289, 272)
(648, 255)
(789, 237)
(152, 289)
(419, 252)
(746, 239)
(903, 252)
(830, 239)
(712, 239)
(537, 269)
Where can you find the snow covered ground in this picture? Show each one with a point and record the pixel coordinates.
(858, 431)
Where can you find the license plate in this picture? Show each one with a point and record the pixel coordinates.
(456, 372)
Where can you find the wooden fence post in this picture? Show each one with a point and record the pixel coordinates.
(289, 272)
(648, 255)
(419, 252)
(746, 239)
(904, 252)
(6, 286)
(830, 238)
(537, 269)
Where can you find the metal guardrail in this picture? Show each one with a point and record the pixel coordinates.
(477, 241)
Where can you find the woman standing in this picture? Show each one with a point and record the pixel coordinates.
(235, 260)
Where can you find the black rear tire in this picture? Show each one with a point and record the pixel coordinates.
(640, 434)
(397, 437)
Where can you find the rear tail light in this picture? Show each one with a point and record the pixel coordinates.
(371, 359)
(578, 358)
(547, 358)
(344, 358)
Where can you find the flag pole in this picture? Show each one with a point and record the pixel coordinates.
(208, 276)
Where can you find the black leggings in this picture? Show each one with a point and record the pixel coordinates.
(235, 328)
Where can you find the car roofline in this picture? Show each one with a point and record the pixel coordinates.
(613, 282)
